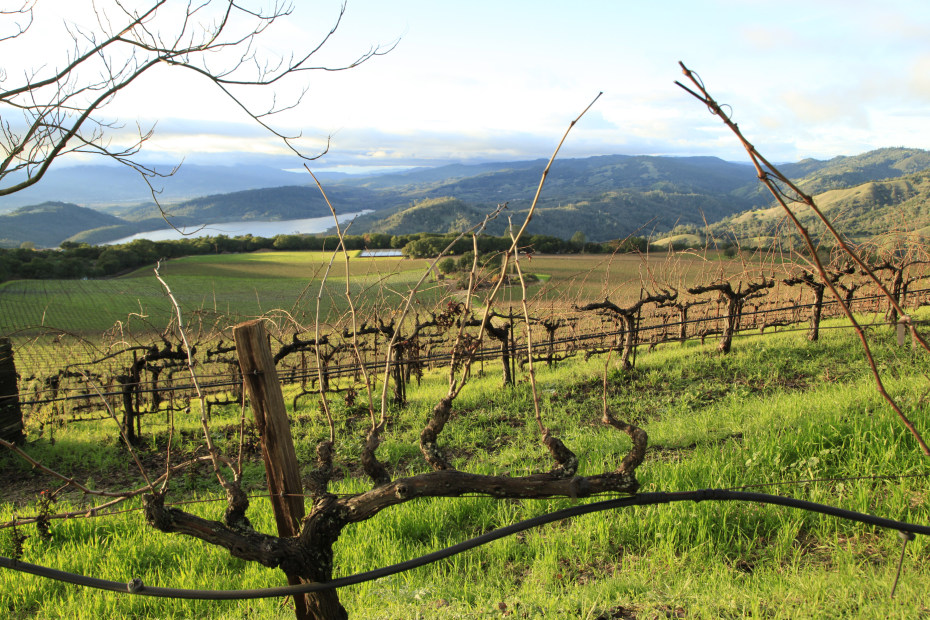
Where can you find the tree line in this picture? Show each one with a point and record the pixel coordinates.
(81, 260)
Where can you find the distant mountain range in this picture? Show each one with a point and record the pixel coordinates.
(109, 187)
(604, 197)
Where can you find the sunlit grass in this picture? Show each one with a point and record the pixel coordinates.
(777, 409)
(243, 286)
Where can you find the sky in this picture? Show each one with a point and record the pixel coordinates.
(498, 80)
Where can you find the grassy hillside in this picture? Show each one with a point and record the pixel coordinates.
(614, 196)
(611, 215)
(861, 212)
(604, 197)
(816, 176)
(779, 414)
(234, 286)
(438, 215)
(843, 172)
(50, 223)
(246, 285)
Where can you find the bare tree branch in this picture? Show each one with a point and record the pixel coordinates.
(57, 110)
(770, 176)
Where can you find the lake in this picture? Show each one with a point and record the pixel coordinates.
(267, 229)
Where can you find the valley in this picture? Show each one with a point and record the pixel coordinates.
(603, 198)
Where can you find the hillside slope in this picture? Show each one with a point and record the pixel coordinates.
(439, 215)
(860, 212)
(49, 223)
(816, 176)
(604, 197)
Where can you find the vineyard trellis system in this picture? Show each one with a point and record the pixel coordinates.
(147, 378)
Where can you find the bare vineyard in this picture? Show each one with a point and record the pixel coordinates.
(142, 372)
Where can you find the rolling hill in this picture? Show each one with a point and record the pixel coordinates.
(861, 212)
(109, 187)
(50, 223)
(604, 197)
(440, 215)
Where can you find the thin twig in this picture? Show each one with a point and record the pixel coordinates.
(204, 423)
(765, 172)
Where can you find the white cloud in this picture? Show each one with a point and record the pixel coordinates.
(502, 81)
(919, 82)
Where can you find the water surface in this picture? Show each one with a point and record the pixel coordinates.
(256, 228)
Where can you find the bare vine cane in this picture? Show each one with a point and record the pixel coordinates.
(566, 460)
(374, 469)
(443, 408)
(122, 431)
(768, 174)
(94, 511)
(237, 501)
(638, 436)
(462, 354)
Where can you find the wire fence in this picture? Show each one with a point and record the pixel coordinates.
(147, 376)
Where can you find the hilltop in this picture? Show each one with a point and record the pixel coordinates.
(604, 197)
(50, 223)
(861, 212)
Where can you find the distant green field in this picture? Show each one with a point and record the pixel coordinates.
(239, 286)
(229, 288)
(583, 278)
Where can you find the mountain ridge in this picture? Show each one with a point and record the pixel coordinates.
(604, 197)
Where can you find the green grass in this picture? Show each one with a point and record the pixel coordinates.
(234, 287)
(777, 409)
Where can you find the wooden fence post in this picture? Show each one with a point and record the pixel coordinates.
(11, 416)
(267, 403)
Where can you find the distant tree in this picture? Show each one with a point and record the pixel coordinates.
(466, 261)
(630, 244)
(447, 265)
(286, 242)
(544, 244)
(399, 241)
(377, 241)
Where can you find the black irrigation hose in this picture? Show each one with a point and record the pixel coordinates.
(136, 586)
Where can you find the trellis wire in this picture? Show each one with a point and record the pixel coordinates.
(339, 370)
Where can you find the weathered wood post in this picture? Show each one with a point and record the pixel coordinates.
(11, 416)
(267, 402)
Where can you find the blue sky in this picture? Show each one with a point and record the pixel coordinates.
(500, 80)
